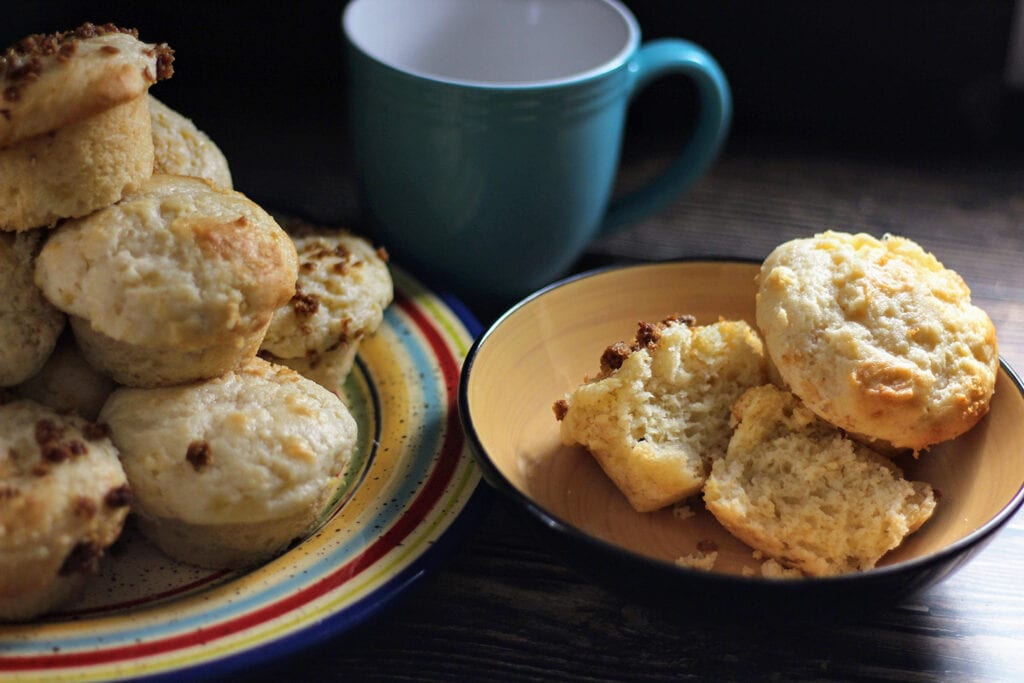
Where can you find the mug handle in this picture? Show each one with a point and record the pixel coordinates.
(714, 112)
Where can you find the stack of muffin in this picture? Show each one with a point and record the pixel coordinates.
(118, 222)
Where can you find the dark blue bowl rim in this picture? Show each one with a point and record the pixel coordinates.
(555, 524)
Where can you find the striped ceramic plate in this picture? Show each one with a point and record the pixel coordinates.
(412, 492)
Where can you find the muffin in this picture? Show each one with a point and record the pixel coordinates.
(63, 501)
(75, 130)
(877, 337)
(67, 383)
(342, 290)
(29, 324)
(799, 490)
(176, 282)
(657, 415)
(180, 148)
(227, 472)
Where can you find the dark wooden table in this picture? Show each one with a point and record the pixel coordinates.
(503, 608)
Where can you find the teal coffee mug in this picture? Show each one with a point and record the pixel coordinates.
(487, 133)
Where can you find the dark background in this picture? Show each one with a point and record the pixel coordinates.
(899, 77)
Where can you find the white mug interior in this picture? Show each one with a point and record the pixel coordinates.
(494, 42)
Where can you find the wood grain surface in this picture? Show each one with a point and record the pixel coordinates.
(502, 607)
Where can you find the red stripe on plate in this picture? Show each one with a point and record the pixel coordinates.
(149, 599)
(451, 451)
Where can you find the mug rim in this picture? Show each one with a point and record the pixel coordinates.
(618, 59)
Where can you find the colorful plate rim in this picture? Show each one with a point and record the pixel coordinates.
(411, 535)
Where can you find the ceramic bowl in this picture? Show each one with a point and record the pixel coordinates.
(549, 342)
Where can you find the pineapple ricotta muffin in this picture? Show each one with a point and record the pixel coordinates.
(342, 290)
(75, 129)
(29, 324)
(799, 490)
(180, 148)
(176, 282)
(227, 472)
(67, 383)
(63, 501)
(657, 415)
(877, 337)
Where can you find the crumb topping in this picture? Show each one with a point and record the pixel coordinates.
(22, 63)
(118, 497)
(614, 356)
(199, 455)
(95, 432)
(47, 432)
(318, 251)
(305, 305)
(84, 507)
(55, 452)
(647, 336)
(164, 62)
(561, 408)
(53, 449)
(58, 451)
